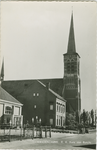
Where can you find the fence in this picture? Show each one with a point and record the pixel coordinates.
(9, 134)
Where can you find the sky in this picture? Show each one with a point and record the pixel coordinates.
(34, 37)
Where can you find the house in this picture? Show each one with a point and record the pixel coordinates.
(10, 109)
(41, 102)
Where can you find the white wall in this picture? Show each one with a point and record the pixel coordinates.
(1, 110)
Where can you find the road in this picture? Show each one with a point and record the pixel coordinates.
(58, 141)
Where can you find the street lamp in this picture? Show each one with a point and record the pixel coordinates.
(40, 120)
(32, 128)
(32, 120)
(36, 121)
(36, 117)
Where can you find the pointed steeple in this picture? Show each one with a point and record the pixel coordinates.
(2, 70)
(71, 41)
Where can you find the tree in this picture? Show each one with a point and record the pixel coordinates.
(70, 121)
(92, 116)
(85, 117)
(77, 116)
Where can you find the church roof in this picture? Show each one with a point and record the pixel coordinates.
(57, 95)
(71, 41)
(16, 87)
(5, 96)
(50, 90)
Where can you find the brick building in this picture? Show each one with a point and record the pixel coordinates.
(40, 101)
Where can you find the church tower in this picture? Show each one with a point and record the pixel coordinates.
(72, 85)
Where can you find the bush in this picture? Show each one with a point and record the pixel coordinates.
(60, 127)
(80, 126)
(71, 127)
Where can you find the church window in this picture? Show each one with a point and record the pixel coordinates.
(51, 106)
(33, 94)
(35, 106)
(37, 94)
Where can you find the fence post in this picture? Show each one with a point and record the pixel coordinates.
(4, 129)
(9, 134)
(24, 132)
(21, 133)
(50, 132)
(41, 131)
(33, 132)
(45, 132)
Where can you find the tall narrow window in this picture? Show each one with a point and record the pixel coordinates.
(57, 107)
(16, 110)
(37, 94)
(33, 94)
(51, 121)
(59, 120)
(51, 106)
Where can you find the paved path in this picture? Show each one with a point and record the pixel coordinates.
(58, 141)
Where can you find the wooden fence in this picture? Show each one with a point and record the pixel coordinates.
(9, 134)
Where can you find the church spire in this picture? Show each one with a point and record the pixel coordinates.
(2, 71)
(71, 41)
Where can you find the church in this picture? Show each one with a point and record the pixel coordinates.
(48, 100)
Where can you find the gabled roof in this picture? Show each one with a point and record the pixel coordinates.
(5, 96)
(50, 90)
(57, 95)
